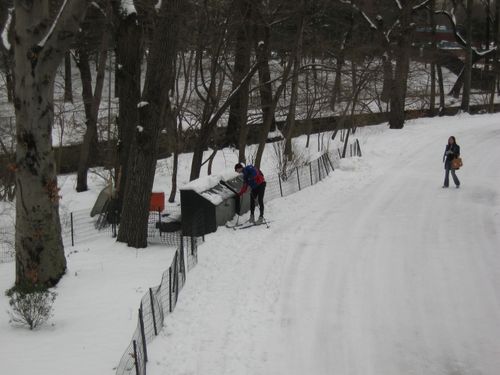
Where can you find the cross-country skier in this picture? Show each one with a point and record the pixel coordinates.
(254, 178)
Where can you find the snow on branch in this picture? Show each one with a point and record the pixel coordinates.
(61, 32)
(453, 21)
(95, 5)
(158, 5)
(398, 4)
(372, 25)
(5, 31)
(128, 7)
(53, 26)
(423, 4)
(460, 40)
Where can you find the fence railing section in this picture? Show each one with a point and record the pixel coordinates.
(298, 178)
(156, 304)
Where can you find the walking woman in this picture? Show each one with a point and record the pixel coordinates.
(451, 152)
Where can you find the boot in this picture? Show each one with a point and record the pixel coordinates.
(252, 219)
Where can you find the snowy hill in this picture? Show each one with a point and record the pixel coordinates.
(375, 270)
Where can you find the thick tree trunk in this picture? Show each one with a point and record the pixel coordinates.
(400, 82)
(237, 120)
(398, 97)
(129, 50)
(262, 40)
(144, 150)
(38, 52)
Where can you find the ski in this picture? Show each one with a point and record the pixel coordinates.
(234, 226)
(250, 225)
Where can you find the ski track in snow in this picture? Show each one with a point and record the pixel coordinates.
(388, 273)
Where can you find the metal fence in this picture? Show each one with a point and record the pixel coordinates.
(161, 300)
(156, 304)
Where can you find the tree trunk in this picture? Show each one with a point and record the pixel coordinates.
(8, 64)
(496, 39)
(432, 106)
(92, 104)
(399, 84)
(338, 79)
(40, 256)
(175, 166)
(468, 59)
(387, 86)
(268, 120)
(441, 90)
(129, 52)
(262, 39)
(238, 110)
(398, 97)
(68, 87)
(209, 122)
(142, 162)
(290, 121)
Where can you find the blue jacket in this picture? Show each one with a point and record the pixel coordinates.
(252, 177)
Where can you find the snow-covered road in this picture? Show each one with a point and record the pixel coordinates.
(375, 270)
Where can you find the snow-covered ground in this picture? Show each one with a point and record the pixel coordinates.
(375, 270)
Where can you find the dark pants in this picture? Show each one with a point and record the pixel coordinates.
(448, 169)
(258, 193)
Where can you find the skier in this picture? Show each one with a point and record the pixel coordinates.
(451, 152)
(254, 178)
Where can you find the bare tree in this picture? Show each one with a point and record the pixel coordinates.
(42, 38)
(154, 105)
(243, 47)
(209, 81)
(129, 52)
(290, 120)
(92, 102)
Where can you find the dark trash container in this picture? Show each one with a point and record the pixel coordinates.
(207, 204)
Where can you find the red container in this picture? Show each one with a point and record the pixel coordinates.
(157, 202)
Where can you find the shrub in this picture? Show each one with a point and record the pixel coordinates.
(31, 307)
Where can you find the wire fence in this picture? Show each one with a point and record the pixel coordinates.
(156, 304)
(161, 300)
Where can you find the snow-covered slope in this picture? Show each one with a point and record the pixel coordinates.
(375, 270)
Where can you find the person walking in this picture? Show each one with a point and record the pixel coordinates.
(451, 152)
(254, 178)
